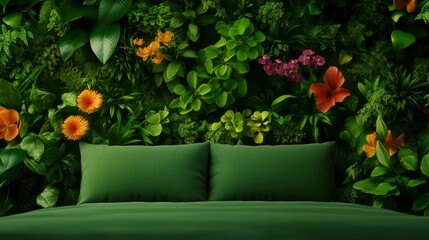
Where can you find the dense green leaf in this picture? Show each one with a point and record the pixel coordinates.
(369, 186)
(153, 118)
(211, 52)
(190, 54)
(193, 32)
(381, 128)
(71, 11)
(314, 9)
(54, 174)
(179, 89)
(421, 202)
(154, 129)
(354, 127)
(51, 156)
(379, 171)
(173, 69)
(402, 39)
(416, 182)
(221, 99)
(72, 41)
(242, 87)
(9, 96)
(112, 10)
(242, 55)
(408, 159)
(13, 19)
(204, 89)
(34, 146)
(10, 158)
(241, 67)
(34, 166)
(425, 165)
(48, 198)
(231, 44)
(281, 99)
(192, 79)
(196, 104)
(383, 156)
(344, 57)
(221, 43)
(104, 39)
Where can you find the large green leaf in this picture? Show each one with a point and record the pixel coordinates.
(281, 99)
(13, 19)
(221, 99)
(112, 10)
(408, 159)
(34, 146)
(383, 156)
(173, 69)
(34, 166)
(369, 186)
(70, 10)
(72, 41)
(104, 39)
(48, 198)
(402, 39)
(9, 96)
(10, 158)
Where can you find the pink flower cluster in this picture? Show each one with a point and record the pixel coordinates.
(291, 69)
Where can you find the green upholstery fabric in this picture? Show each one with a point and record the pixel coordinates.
(233, 220)
(282, 172)
(143, 173)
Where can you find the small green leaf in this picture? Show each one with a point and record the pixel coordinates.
(192, 79)
(211, 52)
(280, 99)
(153, 118)
(259, 138)
(172, 69)
(216, 126)
(193, 32)
(241, 67)
(13, 19)
(51, 156)
(190, 54)
(204, 89)
(179, 89)
(221, 99)
(383, 156)
(34, 146)
(379, 171)
(242, 87)
(155, 129)
(231, 44)
(221, 43)
(54, 174)
(422, 142)
(34, 166)
(381, 128)
(402, 39)
(368, 186)
(421, 202)
(314, 9)
(196, 104)
(259, 37)
(209, 65)
(425, 165)
(416, 182)
(242, 55)
(48, 198)
(397, 15)
(344, 57)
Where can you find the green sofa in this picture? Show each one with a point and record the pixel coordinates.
(211, 191)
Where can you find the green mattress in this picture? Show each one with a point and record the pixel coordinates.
(214, 220)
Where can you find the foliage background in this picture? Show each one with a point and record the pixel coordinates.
(210, 87)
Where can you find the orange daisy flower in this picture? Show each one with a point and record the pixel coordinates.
(9, 124)
(410, 4)
(165, 38)
(328, 93)
(369, 148)
(157, 58)
(75, 127)
(89, 101)
(392, 144)
(138, 41)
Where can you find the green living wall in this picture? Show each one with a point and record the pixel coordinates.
(124, 72)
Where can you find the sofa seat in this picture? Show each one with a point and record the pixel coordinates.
(220, 220)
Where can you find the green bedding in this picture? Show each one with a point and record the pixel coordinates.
(214, 220)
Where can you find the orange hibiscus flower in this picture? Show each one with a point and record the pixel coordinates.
(157, 58)
(9, 124)
(89, 101)
(144, 53)
(165, 38)
(410, 4)
(328, 93)
(75, 127)
(369, 148)
(392, 144)
(138, 41)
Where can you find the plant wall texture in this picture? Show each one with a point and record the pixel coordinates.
(124, 72)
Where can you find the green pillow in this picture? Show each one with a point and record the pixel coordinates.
(272, 173)
(143, 173)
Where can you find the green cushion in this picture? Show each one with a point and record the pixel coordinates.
(272, 173)
(143, 173)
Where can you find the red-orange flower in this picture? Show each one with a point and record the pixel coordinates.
(392, 144)
(89, 101)
(9, 124)
(165, 38)
(410, 4)
(157, 58)
(328, 93)
(138, 41)
(369, 148)
(75, 127)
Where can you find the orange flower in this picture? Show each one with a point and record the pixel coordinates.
(154, 46)
(89, 101)
(410, 4)
(138, 41)
(391, 145)
(369, 148)
(165, 38)
(157, 58)
(75, 127)
(328, 93)
(144, 53)
(9, 124)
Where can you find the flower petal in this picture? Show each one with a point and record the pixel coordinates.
(11, 132)
(9, 116)
(372, 139)
(411, 6)
(322, 95)
(334, 78)
(369, 150)
(399, 141)
(340, 94)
